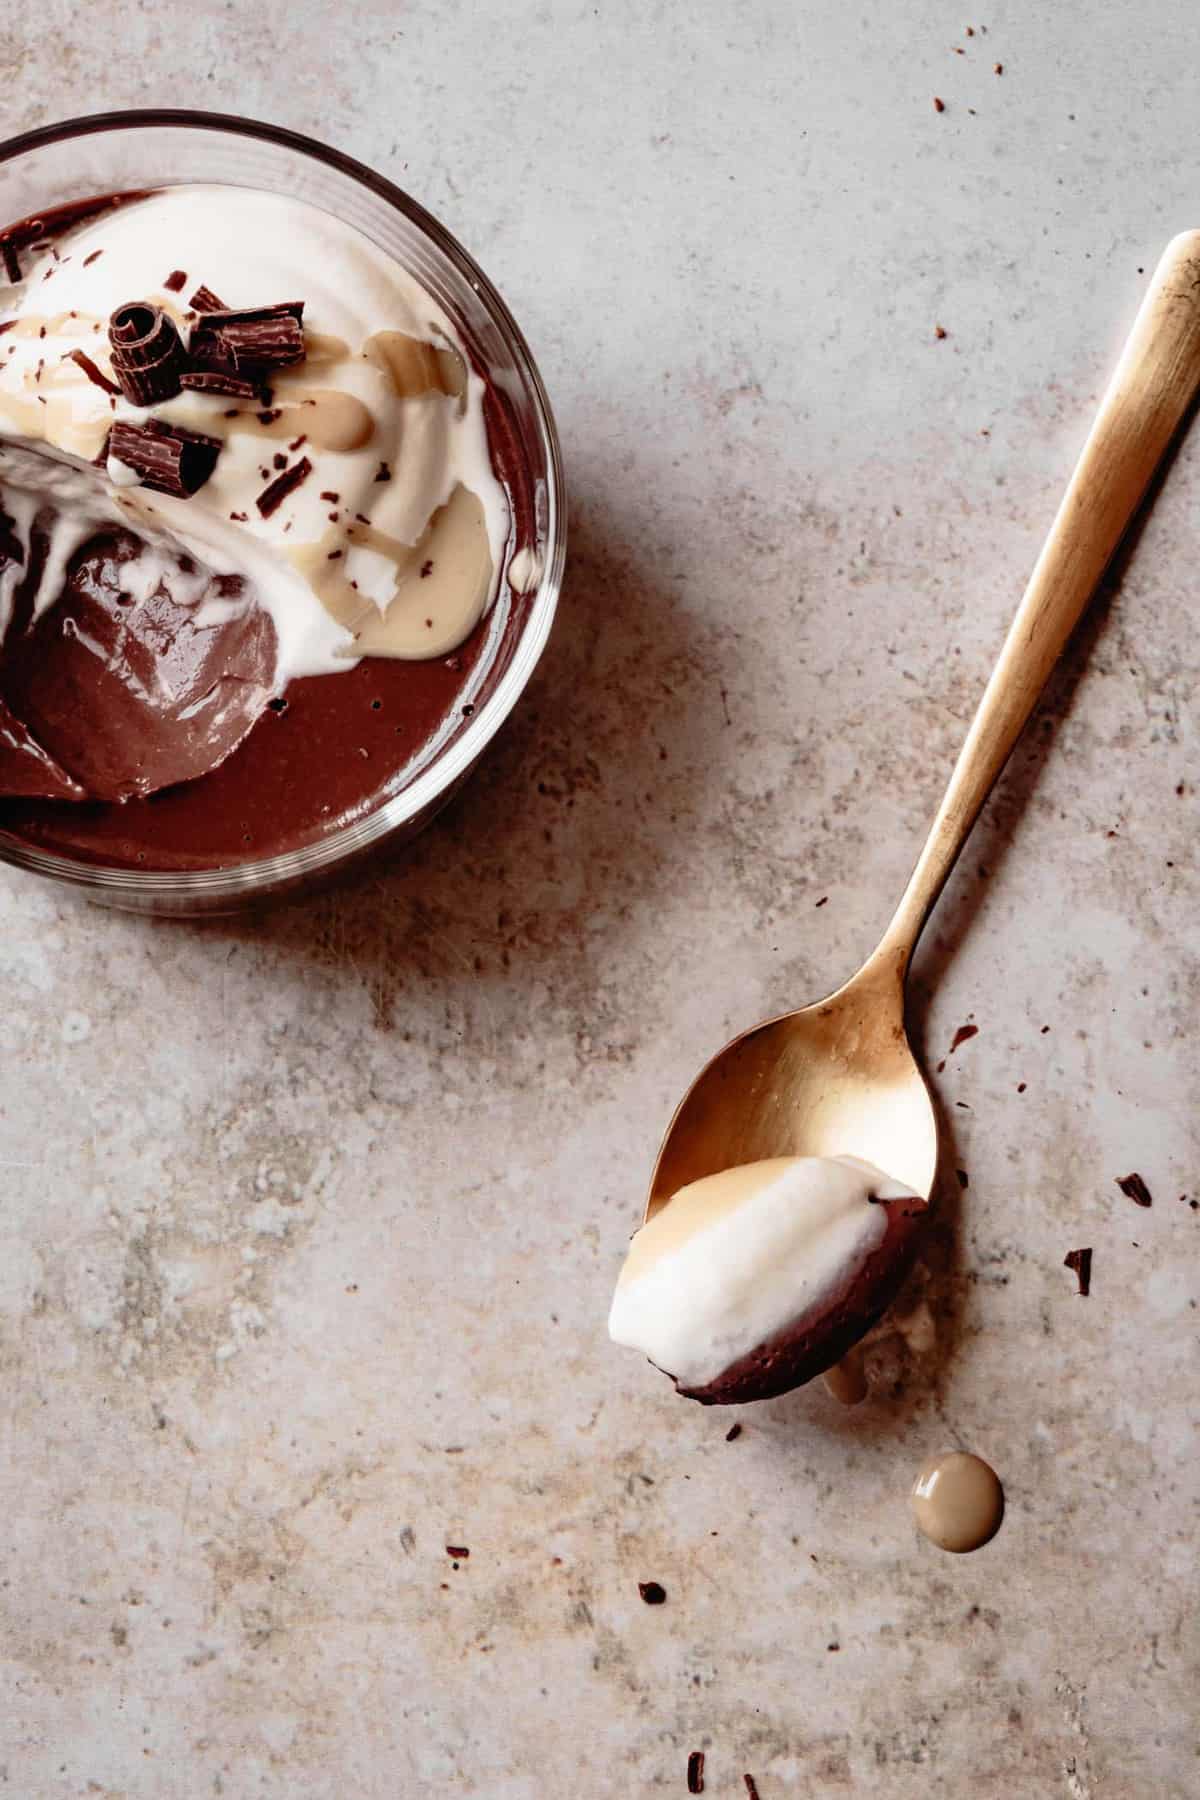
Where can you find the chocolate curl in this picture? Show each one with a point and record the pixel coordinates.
(165, 457)
(223, 381)
(205, 301)
(147, 353)
(256, 338)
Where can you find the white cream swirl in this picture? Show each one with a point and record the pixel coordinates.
(735, 1259)
(394, 543)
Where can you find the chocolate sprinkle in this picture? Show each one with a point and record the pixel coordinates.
(695, 1776)
(175, 281)
(205, 301)
(273, 496)
(652, 1592)
(94, 374)
(165, 457)
(1081, 1262)
(222, 381)
(458, 1551)
(1135, 1189)
(734, 1432)
(12, 263)
(147, 353)
(751, 1786)
(89, 260)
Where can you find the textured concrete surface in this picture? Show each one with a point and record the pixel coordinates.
(308, 1224)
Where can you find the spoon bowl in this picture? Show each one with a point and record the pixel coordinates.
(839, 1078)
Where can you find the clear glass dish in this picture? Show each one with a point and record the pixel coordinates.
(114, 152)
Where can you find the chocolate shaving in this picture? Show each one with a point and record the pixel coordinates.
(222, 381)
(652, 1592)
(89, 260)
(90, 369)
(751, 1786)
(963, 1035)
(147, 353)
(1135, 1189)
(12, 262)
(260, 337)
(458, 1551)
(165, 457)
(273, 496)
(695, 1776)
(175, 281)
(732, 1435)
(1081, 1262)
(205, 301)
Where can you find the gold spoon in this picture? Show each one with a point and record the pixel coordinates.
(839, 1077)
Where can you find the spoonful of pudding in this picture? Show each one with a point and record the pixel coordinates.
(786, 1204)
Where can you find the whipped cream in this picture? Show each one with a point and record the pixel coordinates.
(394, 543)
(733, 1261)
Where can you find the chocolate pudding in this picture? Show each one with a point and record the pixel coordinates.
(266, 533)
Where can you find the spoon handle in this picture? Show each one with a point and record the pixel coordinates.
(1146, 402)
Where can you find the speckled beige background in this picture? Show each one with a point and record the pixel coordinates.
(307, 1225)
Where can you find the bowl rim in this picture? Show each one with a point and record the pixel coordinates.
(262, 876)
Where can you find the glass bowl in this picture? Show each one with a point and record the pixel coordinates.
(115, 152)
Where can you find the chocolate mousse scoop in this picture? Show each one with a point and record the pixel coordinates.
(146, 671)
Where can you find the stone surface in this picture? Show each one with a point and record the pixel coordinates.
(308, 1224)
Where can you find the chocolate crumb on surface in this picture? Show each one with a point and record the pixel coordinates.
(963, 1180)
(963, 1035)
(458, 1551)
(734, 1432)
(175, 281)
(997, 68)
(279, 460)
(426, 570)
(834, 1646)
(273, 496)
(938, 105)
(695, 1772)
(939, 331)
(89, 260)
(1081, 1262)
(328, 494)
(751, 1786)
(383, 473)
(1021, 1087)
(1135, 1189)
(652, 1592)
(823, 901)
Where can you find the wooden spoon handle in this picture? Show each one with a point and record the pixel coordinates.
(1147, 399)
